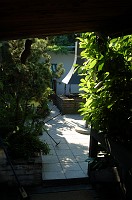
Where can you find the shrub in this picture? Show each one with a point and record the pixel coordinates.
(24, 88)
(25, 145)
(107, 84)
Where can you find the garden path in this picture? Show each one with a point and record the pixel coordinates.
(68, 159)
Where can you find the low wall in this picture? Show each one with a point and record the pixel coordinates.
(68, 105)
(28, 172)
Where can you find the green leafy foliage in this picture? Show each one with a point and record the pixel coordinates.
(58, 72)
(107, 86)
(60, 43)
(25, 145)
(24, 90)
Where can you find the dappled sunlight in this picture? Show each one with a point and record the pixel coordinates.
(69, 149)
(67, 159)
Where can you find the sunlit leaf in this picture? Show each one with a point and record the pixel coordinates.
(92, 63)
(100, 67)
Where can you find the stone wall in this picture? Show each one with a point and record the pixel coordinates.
(28, 172)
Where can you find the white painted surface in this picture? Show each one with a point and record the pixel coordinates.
(67, 61)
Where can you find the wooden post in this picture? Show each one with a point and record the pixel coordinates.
(93, 150)
(93, 146)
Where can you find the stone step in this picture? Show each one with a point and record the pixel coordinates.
(65, 182)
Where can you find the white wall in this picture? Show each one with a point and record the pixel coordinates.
(67, 61)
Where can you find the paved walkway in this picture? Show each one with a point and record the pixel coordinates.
(67, 159)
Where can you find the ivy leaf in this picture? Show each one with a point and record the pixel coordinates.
(100, 67)
(92, 63)
(109, 106)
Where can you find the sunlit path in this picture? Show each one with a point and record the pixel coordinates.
(67, 159)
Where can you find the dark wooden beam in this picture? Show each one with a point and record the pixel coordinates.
(39, 18)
